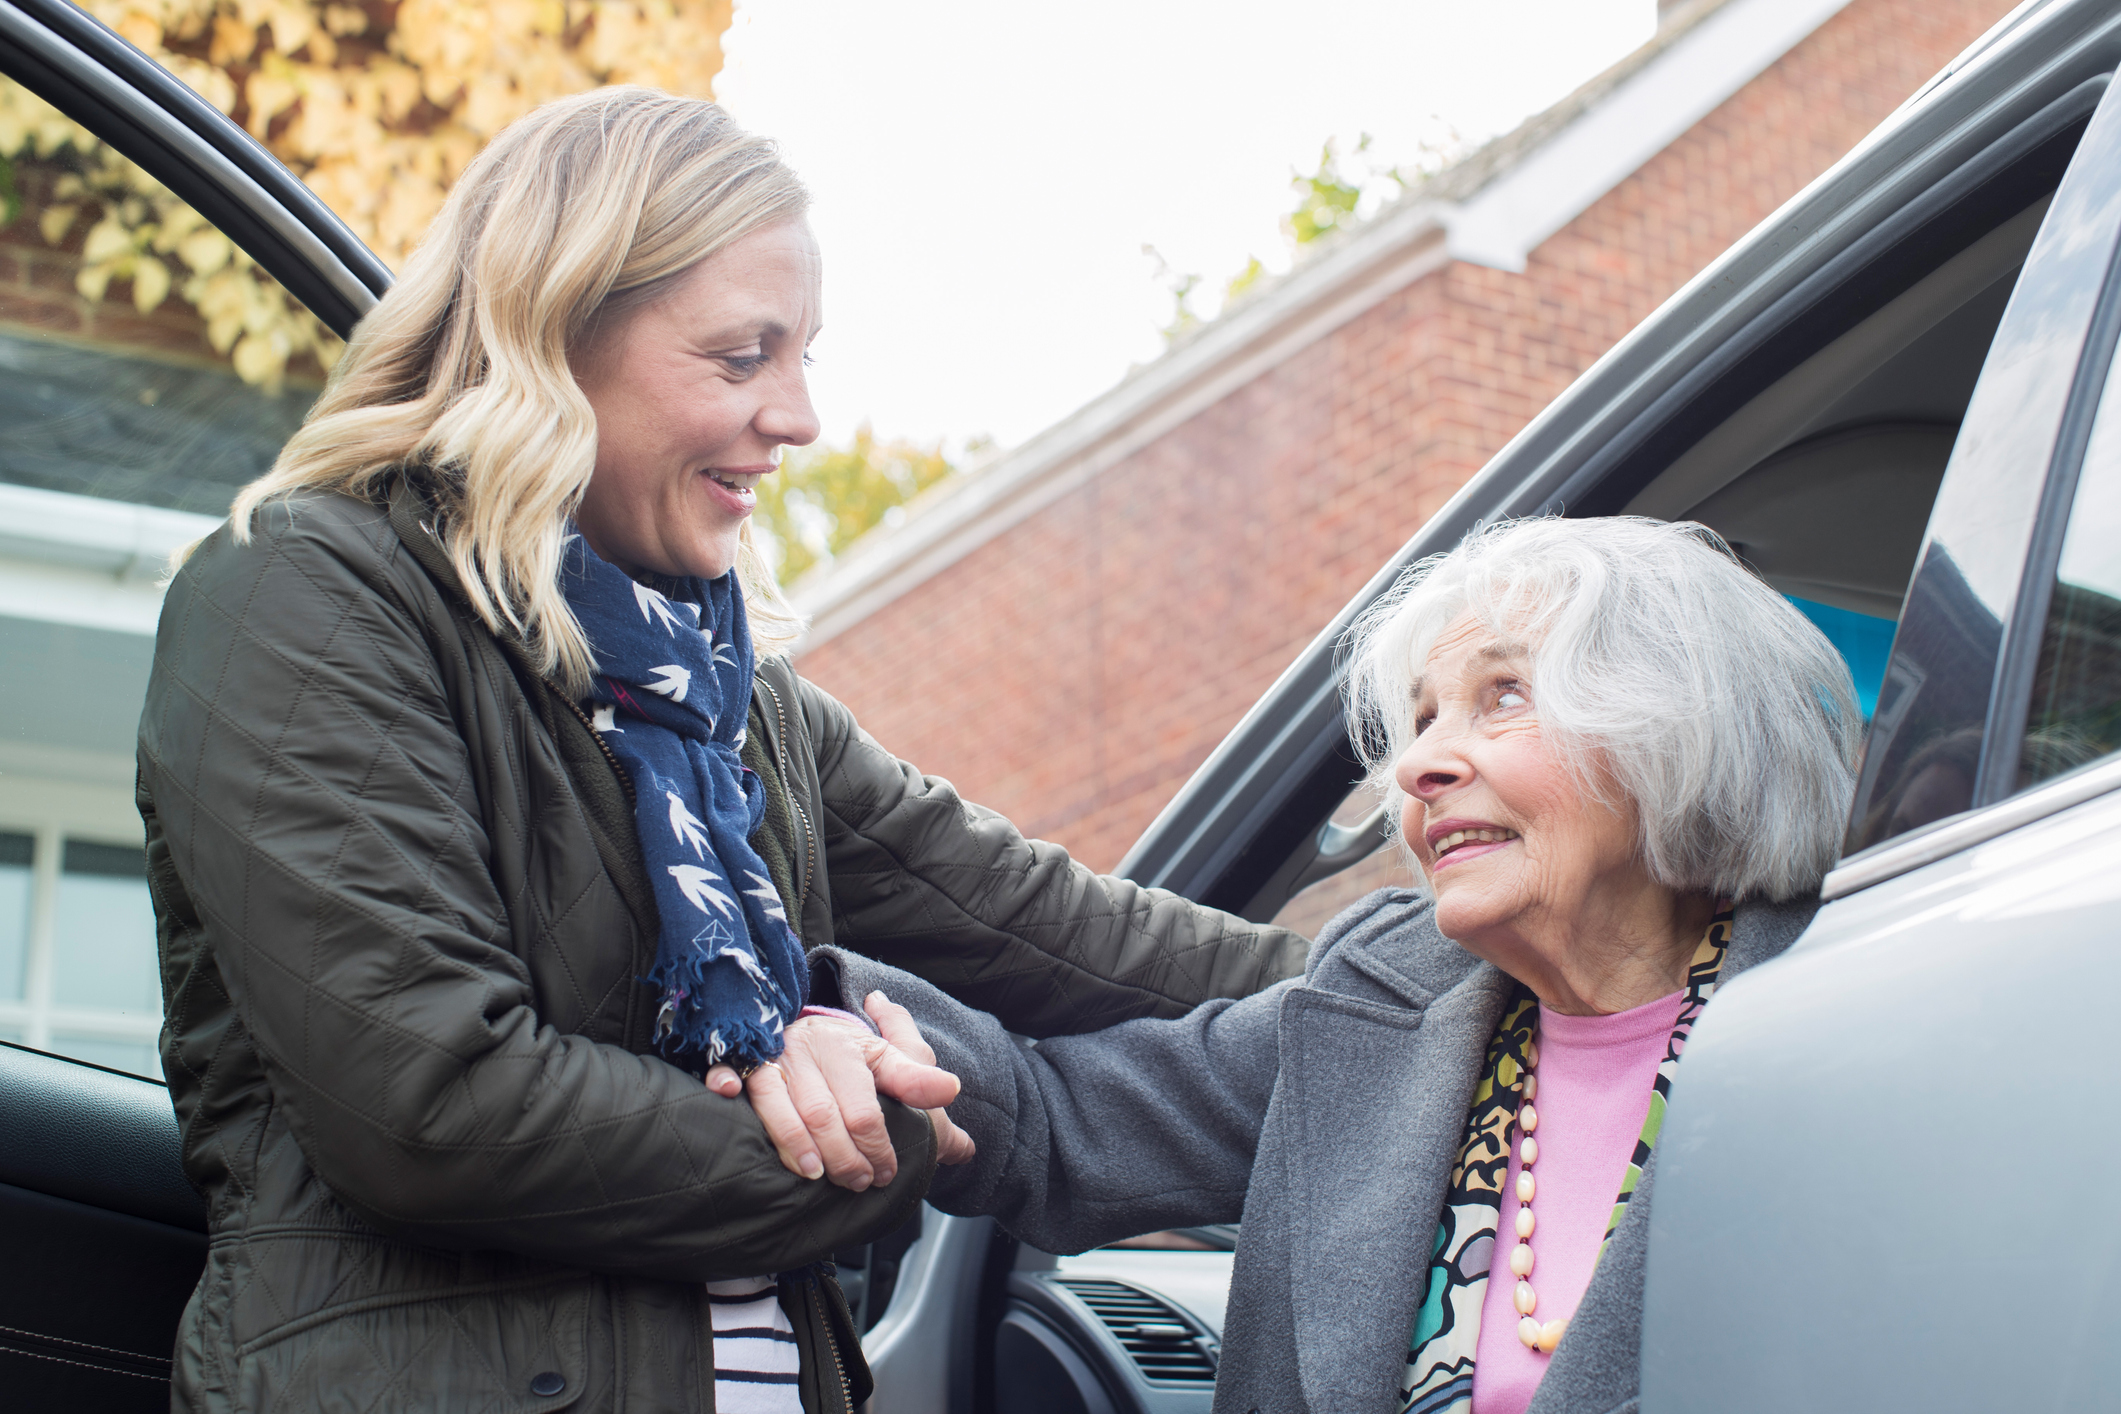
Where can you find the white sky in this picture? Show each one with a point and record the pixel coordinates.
(986, 172)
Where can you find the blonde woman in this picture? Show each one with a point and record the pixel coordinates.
(484, 825)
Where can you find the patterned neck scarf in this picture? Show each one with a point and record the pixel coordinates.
(1439, 1374)
(672, 693)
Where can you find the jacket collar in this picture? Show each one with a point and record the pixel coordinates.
(1377, 1097)
(1418, 969)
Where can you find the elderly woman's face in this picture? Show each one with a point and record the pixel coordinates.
(695, 396)
(1506, 837)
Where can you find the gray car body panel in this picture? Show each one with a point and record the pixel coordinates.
(1886, 1180)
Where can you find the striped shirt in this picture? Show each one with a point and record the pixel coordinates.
(755, 1357)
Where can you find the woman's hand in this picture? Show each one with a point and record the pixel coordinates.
(818, 1101)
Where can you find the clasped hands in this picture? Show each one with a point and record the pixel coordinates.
(818, 1101)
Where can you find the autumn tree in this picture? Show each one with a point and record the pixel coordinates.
(824, 498)
(377, 106)
(1332, 197)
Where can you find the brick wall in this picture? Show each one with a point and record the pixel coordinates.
(1073, 671)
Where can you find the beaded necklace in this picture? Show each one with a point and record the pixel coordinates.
(1702, 971)
(1442, 1347)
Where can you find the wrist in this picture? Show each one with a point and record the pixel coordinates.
(833, 1013)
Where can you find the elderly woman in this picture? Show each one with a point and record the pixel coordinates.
(1623, 765)
(477, 843)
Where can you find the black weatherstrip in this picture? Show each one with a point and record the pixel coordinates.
(63, 55)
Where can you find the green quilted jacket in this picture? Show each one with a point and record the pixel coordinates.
(402, 915)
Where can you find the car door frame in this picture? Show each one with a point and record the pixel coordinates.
(1256, 817)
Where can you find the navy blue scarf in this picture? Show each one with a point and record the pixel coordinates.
(673, 691)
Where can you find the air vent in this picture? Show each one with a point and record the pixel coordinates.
(1164, 1345)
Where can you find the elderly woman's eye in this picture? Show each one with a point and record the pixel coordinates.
(745, 364)
(1511, 696)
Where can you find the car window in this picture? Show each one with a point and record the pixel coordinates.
(1944, 737)
(2075, 714)
(147, 369)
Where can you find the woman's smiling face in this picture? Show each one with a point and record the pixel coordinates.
(695, 395)
(1510, 842)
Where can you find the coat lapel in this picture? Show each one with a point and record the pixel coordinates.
(1376, 1098)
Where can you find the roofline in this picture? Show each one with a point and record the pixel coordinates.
(1494, 207)
(87, 561)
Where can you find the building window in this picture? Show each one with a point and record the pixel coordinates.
(78, 970)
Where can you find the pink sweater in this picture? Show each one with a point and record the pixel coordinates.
(1594, 1091)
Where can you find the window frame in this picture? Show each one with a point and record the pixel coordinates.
(53, 811)
(2012, 480)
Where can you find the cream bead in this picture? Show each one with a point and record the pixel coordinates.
(1550, 1335)
(1530, 1150)
(1527, 1299)
(1528, 1332)
(1525, 1187)
(1531, 1055)
(1527, 1117)
(1531, 1086)
(1524, 1222)
(1521, 1259)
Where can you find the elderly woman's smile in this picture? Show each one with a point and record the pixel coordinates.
(1455, 841)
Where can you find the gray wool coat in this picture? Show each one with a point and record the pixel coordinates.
(1325, 1113)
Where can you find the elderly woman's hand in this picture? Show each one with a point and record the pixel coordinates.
(818, 1101)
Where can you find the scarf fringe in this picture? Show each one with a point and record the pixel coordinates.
(685, 1026)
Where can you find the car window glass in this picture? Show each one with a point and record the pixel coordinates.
(147, 370)
(2075, 716)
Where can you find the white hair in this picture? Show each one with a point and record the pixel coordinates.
(1660, 664)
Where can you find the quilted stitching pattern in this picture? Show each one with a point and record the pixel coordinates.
(398, 983)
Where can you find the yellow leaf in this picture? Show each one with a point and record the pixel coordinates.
(150, 284)
(55, 222)
(292, 23)
(259, 360)
(140, 31)
(106, 239)
(205, 251)
(343, 20)
(272, 92)
(233, 42)
(93, 280)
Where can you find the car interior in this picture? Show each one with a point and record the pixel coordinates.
(1817, 452)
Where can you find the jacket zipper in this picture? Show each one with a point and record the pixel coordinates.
(824, 1325)
(780, 758)
(625, 783)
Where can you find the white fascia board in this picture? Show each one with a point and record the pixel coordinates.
(1503, 223)
(119, 538)
(63, 594)
(86, 561)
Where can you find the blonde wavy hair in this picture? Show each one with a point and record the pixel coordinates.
(576, 215)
